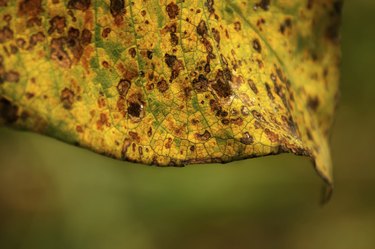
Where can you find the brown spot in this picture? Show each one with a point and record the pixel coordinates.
(57, 23)
(132, 52)
(86, 37)
(174, 39)
(8, 111)
(117, 7)
(172, 10)
(192, 148)
(134, 109)
(202, 28)
(12, 76)
(264, 4)
(149, 54)
(313, 103)
(79, 129)
(287, 24)
(162, 86)
(6, 34)
(149, 132)
(222, 83)
(253, 86)
(123, 87)
(175, 65)
(34, 39)
(134, 136)
(272, 136)
(3, 3)
(30, 7)
(168, 144)
(257, 46)
(203, 137)
(247, 139)
(170, 60)
(269, 92)
(103, 121)
(73, 43)
(237, 121)
(106, 32)
(200, 84)
(67, 98)
(79, 4)
(59, 54)
(216, 35)
(210, 6)
(237, 26)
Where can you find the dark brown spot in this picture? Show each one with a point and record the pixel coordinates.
(149, 132)
(86, 37)
(216, 35)
(287, 24)
(67, 98)
(59, 54)
(202, 28)
(172, 10)
(8, 111)
(123, 87)
(313, 103)
(257, 46)
(79, 4)
(6, 34)
(170, 60)
(117, 7)
(272, 136)
(222, 83)
(252, 86)
(237, 26)
(200, 84)
(12, 76)
(162, 86)
(132, 52)
(264, 4)
(134, 109)
(30, 7)
(269, 91)
(106, 32)
(57, 23)
(174, 39)
(192, 148)
(247, 139)
(210, 6)
(203, 137)
(168, 144)
(149, 54)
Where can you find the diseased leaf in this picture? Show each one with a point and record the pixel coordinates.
(174, 82)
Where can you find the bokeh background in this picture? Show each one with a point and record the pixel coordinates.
(54, 195)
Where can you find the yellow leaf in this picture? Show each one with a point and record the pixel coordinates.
(174, 82)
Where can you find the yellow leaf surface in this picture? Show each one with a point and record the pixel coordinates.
(174, 82)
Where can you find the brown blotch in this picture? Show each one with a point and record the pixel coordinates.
(200, 84)
(67, 98)
(272, 136)
(6, 34)
(203, 137)
(222, 85)
(79, 4)
(106, 32)
(12, 76)
(134, 109)
(59, 54)
(247, 139)
(257, 46)
(8, 111)
(202, 28)
(172, 10)
(237, 26)
(86, 37)
(57, 23)
(253, 86)
(210, 6)
(117, 7)
(30, 7)
(264, 4)
(162, 85)
(132, 52)
(168, 144)
(313, 103)
(287, 24)
(269, 91)
(123, 87)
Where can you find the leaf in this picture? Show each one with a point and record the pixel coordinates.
(174, 83)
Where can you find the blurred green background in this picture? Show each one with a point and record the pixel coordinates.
(54, 195)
